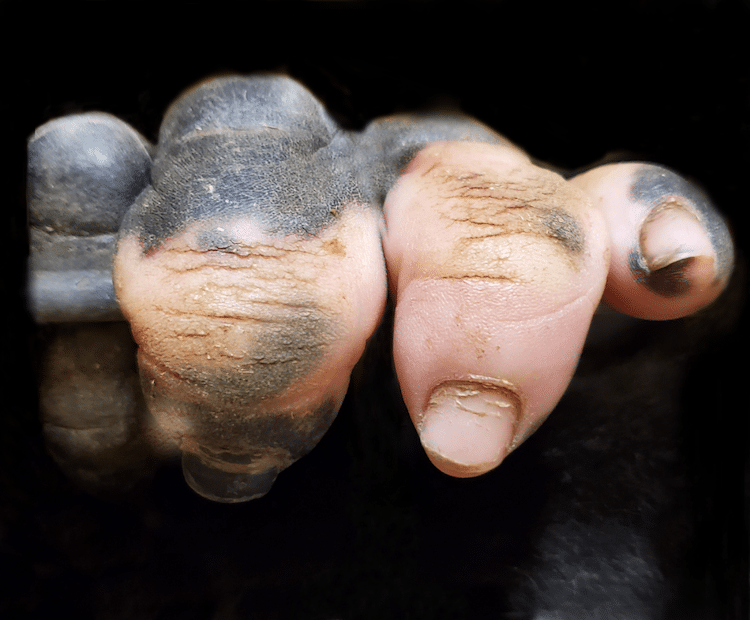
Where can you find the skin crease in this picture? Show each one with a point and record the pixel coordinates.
(496, 266)
(494, 298)
(664, 80)
(192, 329)
(510, 314)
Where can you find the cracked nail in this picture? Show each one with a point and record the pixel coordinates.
(468, 428)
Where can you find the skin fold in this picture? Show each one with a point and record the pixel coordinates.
(496, 292)
(505, 302)
(254, 248)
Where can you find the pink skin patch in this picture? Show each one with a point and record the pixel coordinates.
(203, 320)
(490, 302)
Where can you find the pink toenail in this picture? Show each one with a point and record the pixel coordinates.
(468, 428)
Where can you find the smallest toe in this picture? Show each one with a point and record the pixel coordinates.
(671, 251)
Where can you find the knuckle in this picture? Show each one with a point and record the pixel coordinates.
(242, 348)
(233, 330)
(519, 223)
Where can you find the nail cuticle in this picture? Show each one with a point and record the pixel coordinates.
(664, 260)
(470, 425)
(474, 385)
(655, 189)
(668, 259)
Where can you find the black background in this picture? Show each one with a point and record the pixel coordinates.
(633, 498)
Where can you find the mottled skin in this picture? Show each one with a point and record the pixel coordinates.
(249, 265)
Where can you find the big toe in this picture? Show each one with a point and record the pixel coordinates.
(497, 267)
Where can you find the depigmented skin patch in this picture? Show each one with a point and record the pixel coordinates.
(245, 351)
(224, 323)
(251, 273)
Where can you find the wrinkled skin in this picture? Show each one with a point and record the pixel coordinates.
(253, 250)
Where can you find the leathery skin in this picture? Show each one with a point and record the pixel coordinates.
(245, 265)
(217, 235)
(254, 197)
(624, 499)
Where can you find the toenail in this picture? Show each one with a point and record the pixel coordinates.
(223, 486)
(672, 233)
(468, 427)
(673, 244)
(667, 195)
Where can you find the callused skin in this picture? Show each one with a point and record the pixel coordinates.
(513, 259)
(227, 339)
(256, 246)
(252, 274)
(247, 273)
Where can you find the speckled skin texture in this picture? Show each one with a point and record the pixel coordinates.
(221, 263)
(628, 501)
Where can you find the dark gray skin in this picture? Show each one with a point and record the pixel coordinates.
(261, 147)
(84, 173)
(268, 149)
(588, 518)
